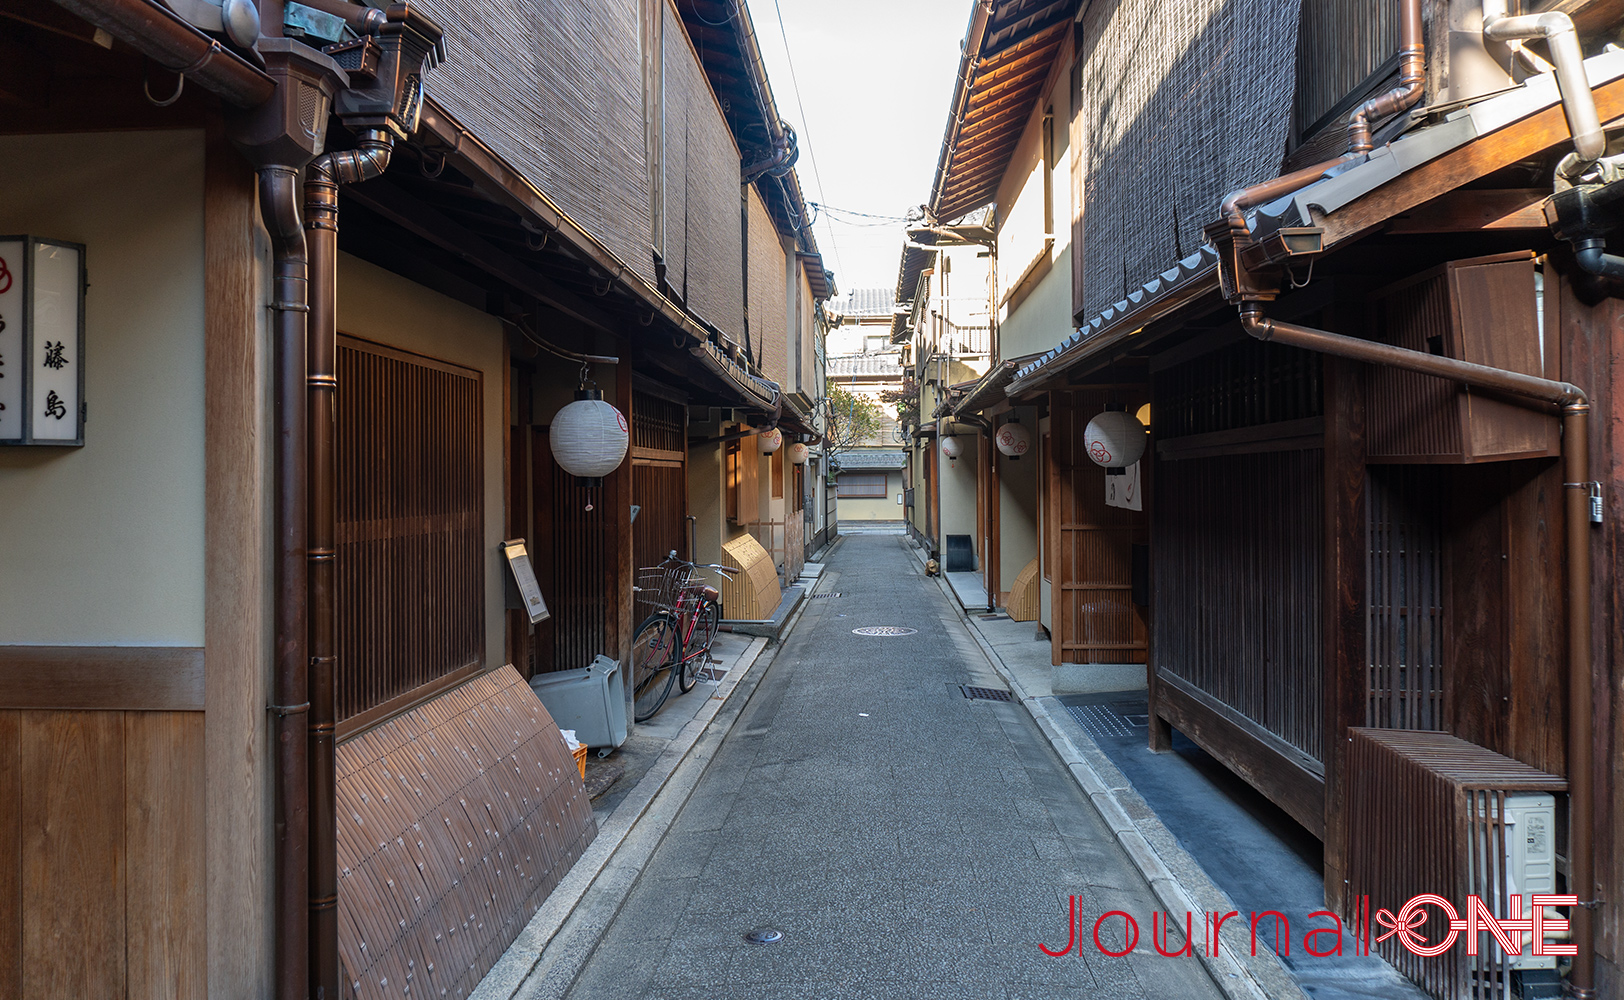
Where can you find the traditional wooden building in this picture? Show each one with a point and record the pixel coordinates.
(296, 292)
(1379, 502)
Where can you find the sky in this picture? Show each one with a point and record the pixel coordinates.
(875, 78)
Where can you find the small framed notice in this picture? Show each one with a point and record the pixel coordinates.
(524, 577)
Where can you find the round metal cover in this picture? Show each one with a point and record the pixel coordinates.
(883, 630)
(763, 935)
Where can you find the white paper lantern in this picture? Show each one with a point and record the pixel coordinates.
(798, 453)
(770, 440)
(1115, 439)
(1013, 440)
(589, 436)
(951, 447)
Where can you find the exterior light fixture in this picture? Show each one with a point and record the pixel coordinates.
(42, 341)
(1013, 440)
(798, 453)
(951, 447)
(1115, 439)
(589, 437)
(772, 439)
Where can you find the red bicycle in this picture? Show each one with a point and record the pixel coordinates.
(673, 643)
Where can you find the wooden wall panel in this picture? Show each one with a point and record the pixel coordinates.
(163, 838)
(11, 855)
(73, 861)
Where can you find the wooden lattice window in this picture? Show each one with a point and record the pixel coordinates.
(411, 523)
(1404, 592)
(859, 485)
(799, 500)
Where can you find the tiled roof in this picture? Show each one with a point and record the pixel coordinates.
(865, 302)
(885, 364)
(1175, 286)
(852, 461)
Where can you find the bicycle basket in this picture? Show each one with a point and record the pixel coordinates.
(658, 587)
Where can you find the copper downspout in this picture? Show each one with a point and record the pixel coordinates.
(279, 205)
(325, 173)
(1576, 469)
(1412, 78)
(163, 36)
(1412, 52)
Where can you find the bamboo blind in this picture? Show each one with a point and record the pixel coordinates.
(768, 288)
(713, 251)
(556, 89)
(1180, 101)
(410, 523)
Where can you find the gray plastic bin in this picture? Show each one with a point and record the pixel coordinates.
(591, 701)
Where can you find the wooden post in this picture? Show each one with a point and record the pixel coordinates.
(1343, 615)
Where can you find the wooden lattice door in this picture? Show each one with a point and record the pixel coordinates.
(1094, 615)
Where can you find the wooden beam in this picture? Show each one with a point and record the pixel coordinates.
(1532, 136)
(107, 678)
(1472, 211)
(1243, 747)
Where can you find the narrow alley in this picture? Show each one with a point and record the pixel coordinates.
(906, 841)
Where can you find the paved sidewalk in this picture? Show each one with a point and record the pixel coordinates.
(907, 841)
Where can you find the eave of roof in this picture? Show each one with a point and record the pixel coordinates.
(1360, 190)
(998, 83)
(989, 390)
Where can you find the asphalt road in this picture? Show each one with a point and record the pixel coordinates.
(906, 841)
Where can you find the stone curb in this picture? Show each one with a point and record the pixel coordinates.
(1174, 876)
(513, 971)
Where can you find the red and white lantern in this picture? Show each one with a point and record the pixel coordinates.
(798, 453)
(1013, 440)
(952, 447)
(771, 440)
(1115, 439)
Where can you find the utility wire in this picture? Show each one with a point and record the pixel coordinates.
(811, 149)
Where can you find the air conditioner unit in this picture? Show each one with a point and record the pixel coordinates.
(1427, 812)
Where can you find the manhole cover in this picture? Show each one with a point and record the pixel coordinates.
(883, 630)
(763, 935)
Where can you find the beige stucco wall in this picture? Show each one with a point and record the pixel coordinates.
(103, 545)
(376, 305)
(959, 487)
(883, 508)
(1017, 508)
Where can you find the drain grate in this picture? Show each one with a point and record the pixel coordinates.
(1097, 720)
(985, 694)
(824, 597)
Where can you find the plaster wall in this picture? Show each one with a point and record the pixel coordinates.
(103, 545)
(959, 489)
(379, 306)
(883, 508)
(1017, 510)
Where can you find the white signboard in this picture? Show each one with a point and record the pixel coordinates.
(1123, 491)
(524, 576)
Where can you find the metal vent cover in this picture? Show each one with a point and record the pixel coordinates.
(985, 694)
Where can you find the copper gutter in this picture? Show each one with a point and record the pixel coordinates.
(1412, 80)
(1575, 406)
(164, 37)
(368, 160)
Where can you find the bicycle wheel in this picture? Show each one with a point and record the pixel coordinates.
(707, 619)
(656, 648)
